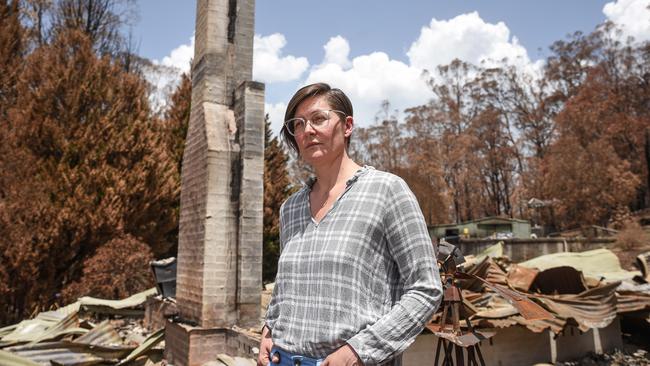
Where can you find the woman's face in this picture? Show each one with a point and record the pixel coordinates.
(321, 144)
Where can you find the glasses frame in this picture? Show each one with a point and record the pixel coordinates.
(306, 120)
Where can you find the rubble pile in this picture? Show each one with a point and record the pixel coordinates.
(580, 291)
(587, 291)
(95, 331)
(88, 332)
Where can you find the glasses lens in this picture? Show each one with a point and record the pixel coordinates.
(320, 118)
(295, 125)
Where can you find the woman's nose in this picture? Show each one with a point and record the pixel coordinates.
(309, 128)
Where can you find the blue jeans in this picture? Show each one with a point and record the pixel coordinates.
(292, 359)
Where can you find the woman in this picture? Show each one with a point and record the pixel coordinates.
(357, 279)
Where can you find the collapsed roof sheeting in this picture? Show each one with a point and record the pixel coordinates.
(46, 325)
(50, 337)
(521, 278)
(555, 325)
(10, 359)
(488, 270)
(70, 353)
(594, 308)
(104, 333)
(559, 280)
(598, 263)
(123, 307)
(555, 282)
(629, 301)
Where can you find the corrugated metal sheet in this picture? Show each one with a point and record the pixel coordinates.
(103, 334)
(70, 353)
(10, 359)
(521, 278)
(571, 300)
(628, 301)
(486, 270)
(559, 280)
(497, 312)
(46, 325)
(556, 325)
(527, 308)
(595, 308)
(101, 345)
(130, 302)
(70, 321)
(148, 344)
(593, 263)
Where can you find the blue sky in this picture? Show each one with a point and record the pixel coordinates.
(376, 50)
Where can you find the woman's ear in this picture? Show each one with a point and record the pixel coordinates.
(349, 126)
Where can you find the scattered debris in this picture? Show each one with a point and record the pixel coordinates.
(225, 360)
(164, 272)
(587, 290)
(643, 263)
(633, 358)
(72, 335)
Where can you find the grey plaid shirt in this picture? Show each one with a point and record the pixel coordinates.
(365, 274)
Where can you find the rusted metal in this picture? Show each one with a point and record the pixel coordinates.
(487, 270)
(452, 293)
(559, 280)
(629, 301)
(454, 341)
(595, 308)
(524, 305)
(521, 278)
(464, 340)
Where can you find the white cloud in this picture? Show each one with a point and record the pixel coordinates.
(270, 66)
(632, 16)
(164, 75)
(337, 50)
(180, 57)
(466, 37)
(372, 79)
(276, 115)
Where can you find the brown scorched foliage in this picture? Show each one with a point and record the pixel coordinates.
(576, 138)
(86, 180)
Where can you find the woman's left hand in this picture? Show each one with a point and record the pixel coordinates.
(343, 356)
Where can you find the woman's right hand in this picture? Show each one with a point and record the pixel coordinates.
(266, 344)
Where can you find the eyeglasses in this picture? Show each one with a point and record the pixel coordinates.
(318, 120)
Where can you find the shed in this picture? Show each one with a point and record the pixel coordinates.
(485, 227)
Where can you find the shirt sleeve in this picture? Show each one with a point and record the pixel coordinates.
(411, 248)
(272, 312)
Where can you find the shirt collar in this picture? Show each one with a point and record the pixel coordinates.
(360, 172)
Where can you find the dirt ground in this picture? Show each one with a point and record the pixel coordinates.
(632, 356)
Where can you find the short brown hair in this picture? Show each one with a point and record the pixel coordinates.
(335, 97)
